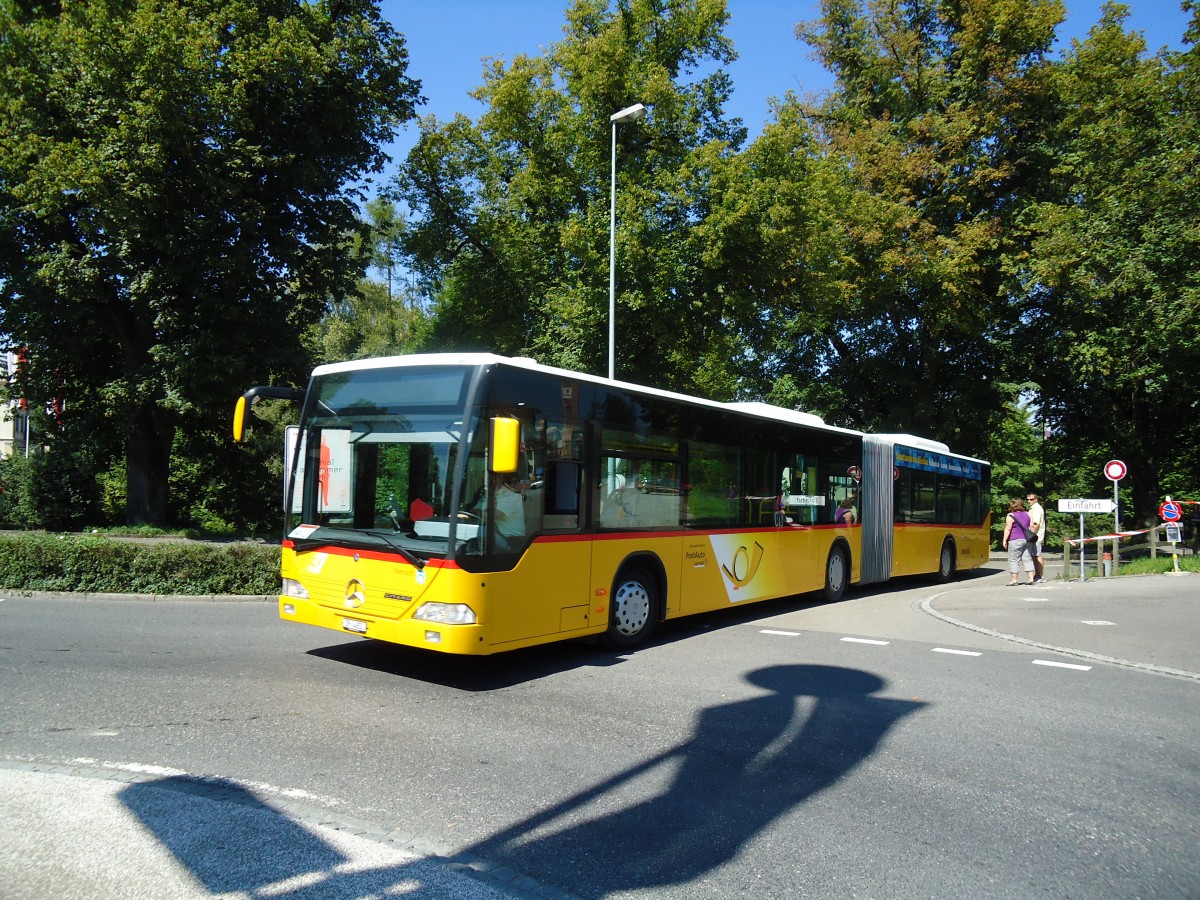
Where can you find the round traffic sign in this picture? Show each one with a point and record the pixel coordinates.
(1115, 470)
(855, 472)
(1171, 511)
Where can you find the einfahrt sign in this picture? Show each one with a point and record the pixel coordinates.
(1086, 506)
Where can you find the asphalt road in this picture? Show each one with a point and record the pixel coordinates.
(911, 741)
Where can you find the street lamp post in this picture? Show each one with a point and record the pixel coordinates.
(629, 114)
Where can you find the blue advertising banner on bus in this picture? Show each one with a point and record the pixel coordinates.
(928, 461)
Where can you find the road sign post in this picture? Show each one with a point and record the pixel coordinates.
(1171, 513)
(1082, 552)
(1083, 507)
(1114, 471)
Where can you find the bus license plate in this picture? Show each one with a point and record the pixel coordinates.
(354, 625)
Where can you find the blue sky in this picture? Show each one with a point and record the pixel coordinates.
(447, 39)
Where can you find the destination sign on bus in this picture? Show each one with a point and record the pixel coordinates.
(936, 462)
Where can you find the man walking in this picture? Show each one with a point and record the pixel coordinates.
(1037, 520)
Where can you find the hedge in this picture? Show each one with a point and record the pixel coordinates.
(46, 562)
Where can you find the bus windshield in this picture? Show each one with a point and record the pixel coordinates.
(376, 458)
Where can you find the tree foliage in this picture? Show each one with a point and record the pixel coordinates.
(947, 241)
(967, 238)
(511, 232)
(937, 117)
(384, 315)
(1113, 269)
(173, 212)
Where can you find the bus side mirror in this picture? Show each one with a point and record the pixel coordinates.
(506, 444)
(239, 420)
(247, 399)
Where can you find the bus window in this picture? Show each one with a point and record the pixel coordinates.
(714, 493)
(949, 499)
(560, 473)
(902, 496)
(972, 507)
(801, 505)
(646, 493)
(512, 509)
(762, 487)
(639, 482)
(923, 497)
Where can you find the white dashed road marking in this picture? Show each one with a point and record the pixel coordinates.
(776, 632)
(1061, 665)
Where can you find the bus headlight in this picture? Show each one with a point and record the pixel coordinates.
(293, 588)
(446, 613)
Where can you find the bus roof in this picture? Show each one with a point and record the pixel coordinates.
(752, 408)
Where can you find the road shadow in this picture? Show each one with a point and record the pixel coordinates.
(478, 674)
(237, 845)
(228, 838)
(667, 820)
(469, 673)
(760, 611)
(745, 764)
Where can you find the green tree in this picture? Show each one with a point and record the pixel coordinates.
(384, 314)
(938, 116)
(1114, 266)
(777, 253)
(1017, 446)
(511, 213)
(173, 205)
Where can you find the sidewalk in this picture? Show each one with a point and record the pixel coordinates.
(1142, 622)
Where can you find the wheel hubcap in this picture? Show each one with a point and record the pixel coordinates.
(632, 608)
(837, 571)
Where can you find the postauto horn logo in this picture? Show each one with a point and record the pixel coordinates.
(742, 568)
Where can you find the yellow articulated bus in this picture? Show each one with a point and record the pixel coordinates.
(472, 503)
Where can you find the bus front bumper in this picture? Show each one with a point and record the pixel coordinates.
(462, 639)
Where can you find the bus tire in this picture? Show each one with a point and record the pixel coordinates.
(947, 561)
(837, 574)
(633, 612)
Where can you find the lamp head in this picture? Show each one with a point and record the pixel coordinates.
(628, 114)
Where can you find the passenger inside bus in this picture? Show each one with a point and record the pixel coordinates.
(510, 511)
(846, 514)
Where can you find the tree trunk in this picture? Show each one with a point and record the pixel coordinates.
(147, 467)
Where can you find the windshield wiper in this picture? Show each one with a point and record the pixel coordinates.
(403, 551)
(308, 543)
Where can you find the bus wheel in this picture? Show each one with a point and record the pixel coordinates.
(837, 573)
(946, 561)
(634, 609)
